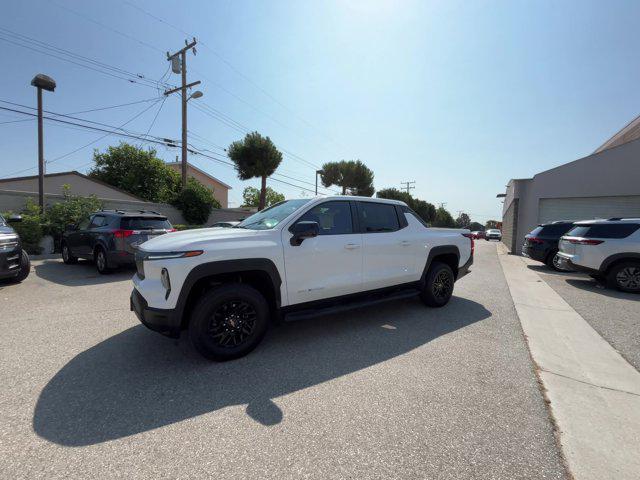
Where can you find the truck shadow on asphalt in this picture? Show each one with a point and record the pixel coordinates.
(79, 275)
(137, 381)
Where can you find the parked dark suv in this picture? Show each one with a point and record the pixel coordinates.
(110, 237)
(14, 261)
(542, 243)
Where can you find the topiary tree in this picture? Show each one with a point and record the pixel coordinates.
(353, 176)
(195, 201)
(255, 157)
(137, 171)
(251, 197)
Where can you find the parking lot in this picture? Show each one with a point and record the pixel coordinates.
(393, 391)
(613, 314)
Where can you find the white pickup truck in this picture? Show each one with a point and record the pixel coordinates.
(293, 260)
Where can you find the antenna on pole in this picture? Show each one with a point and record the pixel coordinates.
(408, 186)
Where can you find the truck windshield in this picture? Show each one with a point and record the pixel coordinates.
(272, 216)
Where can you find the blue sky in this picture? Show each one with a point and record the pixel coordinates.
(458, 96)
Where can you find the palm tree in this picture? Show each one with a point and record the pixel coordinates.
(255, 156)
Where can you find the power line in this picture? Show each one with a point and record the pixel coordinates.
(408, 186)
(88, 144)
(90, 110)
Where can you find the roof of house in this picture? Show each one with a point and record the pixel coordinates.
(72, 172)
(630, 132)
(203, 173)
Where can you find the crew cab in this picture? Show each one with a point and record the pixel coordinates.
(296, 259)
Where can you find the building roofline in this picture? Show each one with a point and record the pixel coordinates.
(74, 172)
(204, 173)
(620, 133)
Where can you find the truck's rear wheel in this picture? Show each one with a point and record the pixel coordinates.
(229, 322)
(438, 286)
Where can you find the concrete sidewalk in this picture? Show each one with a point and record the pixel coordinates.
(594, 393)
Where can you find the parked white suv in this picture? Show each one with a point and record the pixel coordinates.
(608, 250)
(492, 234)
(293, 260)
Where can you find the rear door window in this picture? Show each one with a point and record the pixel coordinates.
(604, 230)
(144, 223)
(98, 221)
(378, 217)
(556, 230)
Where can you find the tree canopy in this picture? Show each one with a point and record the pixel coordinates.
(476, 227)
(137, 171)
(195, 201)
(463, 220)
(255, 156)
(251, 197)
(443, 219)
(426, 210)
(492, 224)
(352, 176)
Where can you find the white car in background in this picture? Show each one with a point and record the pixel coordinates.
(608, 250)
(493, 234)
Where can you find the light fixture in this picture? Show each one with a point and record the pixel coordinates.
(196, 94)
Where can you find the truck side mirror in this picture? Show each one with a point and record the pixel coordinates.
(303, 230)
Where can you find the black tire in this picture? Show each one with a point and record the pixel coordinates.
(229, 322)
(66, 255)
(625, 276)
(25, 267)
(438, 286)
(101, 260)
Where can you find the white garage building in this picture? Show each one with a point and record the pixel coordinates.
(605, 184)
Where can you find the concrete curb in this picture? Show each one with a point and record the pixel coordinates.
(594, 393)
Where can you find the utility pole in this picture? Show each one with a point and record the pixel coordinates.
(179, 65)
(408, 186)
(41, 82)
(442, 204)
(318, 172)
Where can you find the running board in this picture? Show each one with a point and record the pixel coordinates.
(374, 299)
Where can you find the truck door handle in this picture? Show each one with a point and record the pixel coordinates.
(351, 246)
(405, 243)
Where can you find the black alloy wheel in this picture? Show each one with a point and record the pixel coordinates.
(438, 285)
(232, 323)
(229, 321)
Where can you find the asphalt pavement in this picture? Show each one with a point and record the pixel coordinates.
(392, 391)
(614, 315)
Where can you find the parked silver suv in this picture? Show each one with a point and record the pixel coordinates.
(609, 250)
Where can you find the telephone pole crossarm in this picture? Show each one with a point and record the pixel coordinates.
(177, 89)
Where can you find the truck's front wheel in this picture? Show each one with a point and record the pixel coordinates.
(229, 322)
(438, 285)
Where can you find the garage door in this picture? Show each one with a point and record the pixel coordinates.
(586, 208)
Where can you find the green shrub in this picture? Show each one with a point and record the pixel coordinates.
(181, 226)
(70, 211)
(30, 228)
(195, 202)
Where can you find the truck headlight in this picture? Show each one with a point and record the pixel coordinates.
(166, 282)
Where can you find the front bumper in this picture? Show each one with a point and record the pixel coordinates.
(164, 321)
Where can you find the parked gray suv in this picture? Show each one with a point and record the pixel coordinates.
(110, 237)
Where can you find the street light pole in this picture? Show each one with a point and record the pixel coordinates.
(318, 172)
(41, 82)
